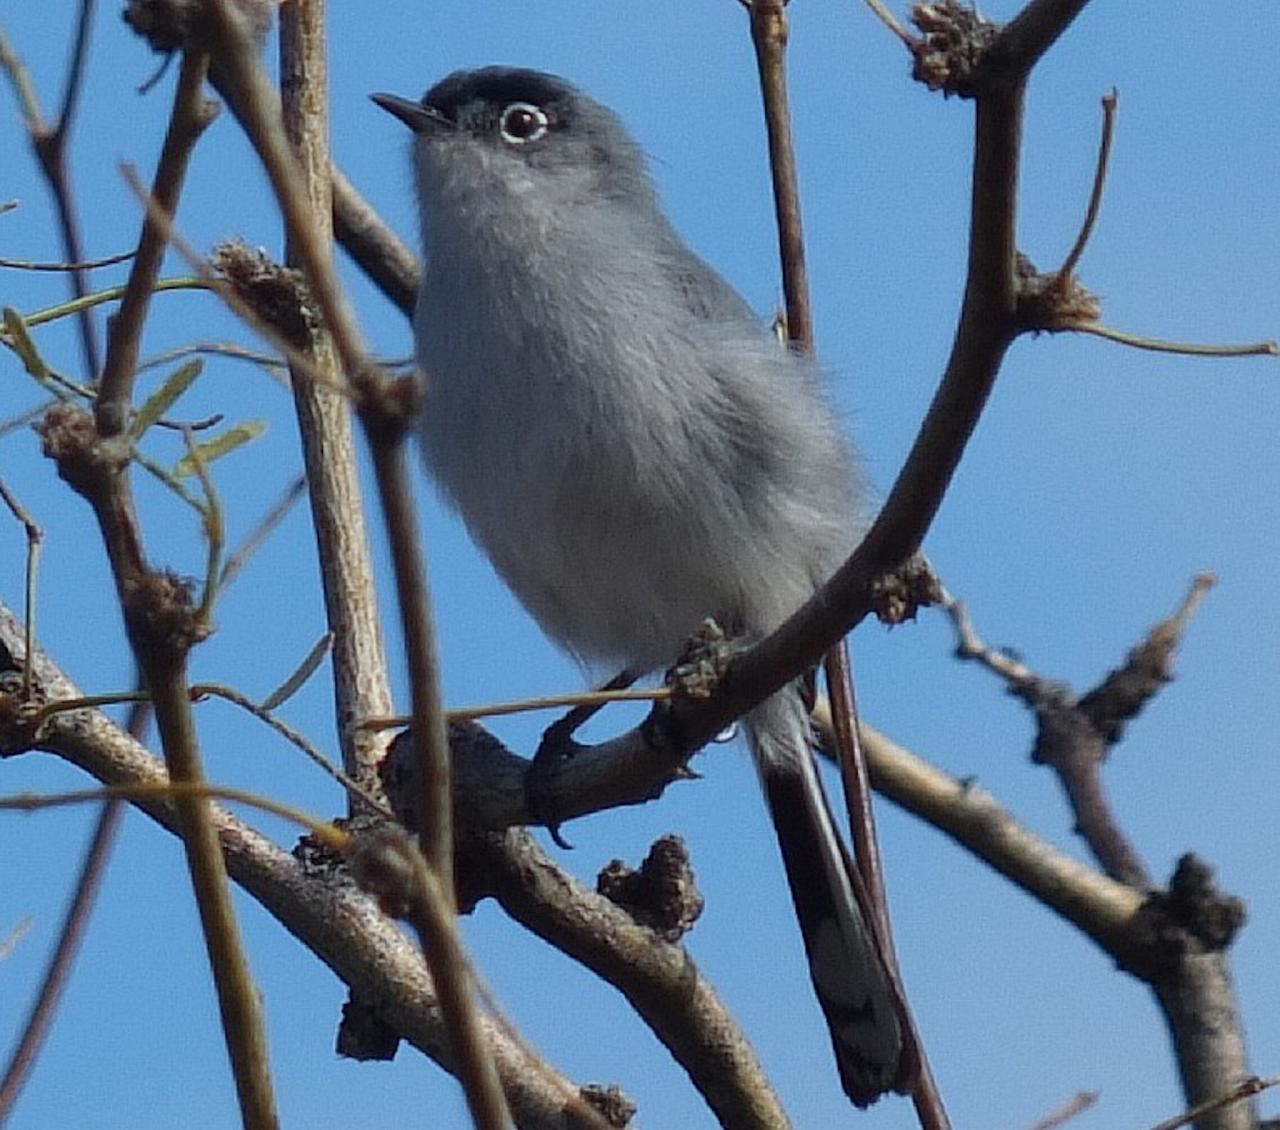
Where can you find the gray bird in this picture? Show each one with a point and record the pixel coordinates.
(635, 452)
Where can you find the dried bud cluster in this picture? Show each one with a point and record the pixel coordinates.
(183, 25)
(949, 52)
(277, 294)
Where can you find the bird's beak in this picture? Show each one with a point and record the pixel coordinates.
(419, 118)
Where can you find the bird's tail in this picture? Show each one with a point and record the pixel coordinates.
(849, 974)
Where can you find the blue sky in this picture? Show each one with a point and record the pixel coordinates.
(1100, 480)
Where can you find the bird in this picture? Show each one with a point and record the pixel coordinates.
(635, 452)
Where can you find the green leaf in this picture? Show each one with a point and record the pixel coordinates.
(219, 446)
(160, 401)
(23, 345)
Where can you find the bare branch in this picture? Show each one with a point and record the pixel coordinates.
(1064, 1114)
(658, 977)
(360, 679)
(191, 115)
(76, 920)
(315, 900)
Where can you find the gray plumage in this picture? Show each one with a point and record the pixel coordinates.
(634, 451)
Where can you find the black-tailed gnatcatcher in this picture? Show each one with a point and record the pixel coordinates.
(635, 452)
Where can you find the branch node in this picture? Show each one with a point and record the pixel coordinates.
(363, 1035)
(183, 25)
(278, 295)
(70, 438)
(663, 895)
(1052, 303)
(166, 610)
(898, 596)
(616, 1107)
(389, 406)
(1147, 668)
(948, 54)
(1193, 914)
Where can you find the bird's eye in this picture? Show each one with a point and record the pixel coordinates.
(522, 122)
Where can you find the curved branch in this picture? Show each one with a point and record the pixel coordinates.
(316, 902)
(658, 977)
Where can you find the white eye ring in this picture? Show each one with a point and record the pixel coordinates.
(522, 122)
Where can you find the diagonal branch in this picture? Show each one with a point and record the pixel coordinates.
(310, 897)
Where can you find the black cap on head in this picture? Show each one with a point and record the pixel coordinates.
(496, 86)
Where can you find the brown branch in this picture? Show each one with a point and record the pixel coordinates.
(769, 36)
(389, 863)
(489, 780)
(1075, 735)
(1024, 39)
(1068, 741)
(55, 978)
(1179, 942)
(376, 249)
(1102, 909)
(1065, 1113)
(50, 146)
(1250, 1087)
(360, 678)
(385, 409)
(657, 976)
(161, 627)
(1175, 942)
(313, 899)
(191, 115)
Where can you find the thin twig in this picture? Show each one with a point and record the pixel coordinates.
(890, 21)
(190, 116)
(107, 294)
(1266, 348)
(10, 941)
(428, 903)
(1246, 1090)
(294, 737)
(73, 927)
(50, 146)
(87, 265)
(74, 923)
(35, 538)
(214, 530)
(266, 526)
(1095, 195)
(769, 36)
(527, 705)
(298, 677)
(1065, 1113)
(22, 419)
(178, 791)
(269, 361)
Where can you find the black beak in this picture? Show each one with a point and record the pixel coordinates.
(419, 118)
